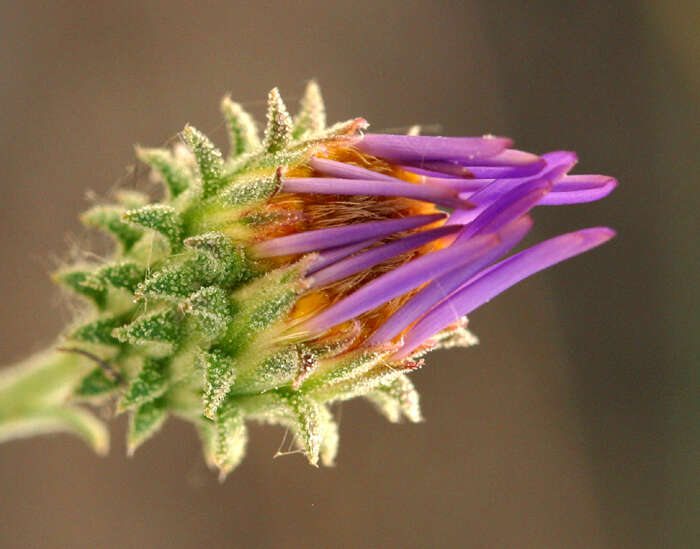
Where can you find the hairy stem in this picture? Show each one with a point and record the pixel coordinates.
(34, 398)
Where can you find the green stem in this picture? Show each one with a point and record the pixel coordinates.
(35, 394)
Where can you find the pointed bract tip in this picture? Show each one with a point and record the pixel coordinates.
(279, 124)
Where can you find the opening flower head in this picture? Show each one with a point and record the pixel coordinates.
(313, 265)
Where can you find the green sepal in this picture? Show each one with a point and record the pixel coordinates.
(331, 372)
(261, 303)
(307, 424)
(397, 399)
(299, 151)
(360, 380)
(219, 373)
(150, 383)
(160, 218)
(231, 438)
(340, 132)
(260, 218)
(174, 173)
(228, 262)
(125, 275)
(82, 282)
(216, 245)
(96, 384)
(211, 308)
(251, 190)
(456, 337)
(144, 422)
(99, 331)
(206, 429)
(278, 132)
(241, 128)
(208, 157)
(159, 327)
(261, 370)
(329, 437)
(131, 199)
(307, 364)
(304, 416)
(176, 281)
(109, 219)
(333, 351)
(265, 163)
(311, 118)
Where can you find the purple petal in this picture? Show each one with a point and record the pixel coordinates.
(569, 189)
(439, 168)
(498, 172)
(373, 257)
(444, 285)
(411, 148)
(556, 165)
(564, 159)
(573, 189)
(559, 163)
(509, 206)
(346, 171)
(553, 164)
(493, 196)
(323, 239)
(508, 157)
(450, 169)
(462, 185)
(398, 282)
(507, 163)
(326, 185)
(336, 254)
(499, 278)
(464, 217)
(463, 172)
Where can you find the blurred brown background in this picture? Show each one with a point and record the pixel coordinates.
(571, 425)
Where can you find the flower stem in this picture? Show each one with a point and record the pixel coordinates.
(35, 395)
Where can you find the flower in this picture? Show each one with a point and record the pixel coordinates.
(311, 266)
(407, 229)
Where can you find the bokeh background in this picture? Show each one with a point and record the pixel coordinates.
(573, 424)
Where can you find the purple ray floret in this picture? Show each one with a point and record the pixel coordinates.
(499, 278)
(334, 168)
(461, 172)
(575, 189)
(369, 187)
(444, 285)
(447, 168)
(508, 157)
(570, 189)
(332, 237)
(328, 257)
(398, 282)
(557, 164)
(567, 189)
(494, 172)
(505, 213)
(373, 257)
(488, 190)
(552, 166)
(413, 148)
(507, 207)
